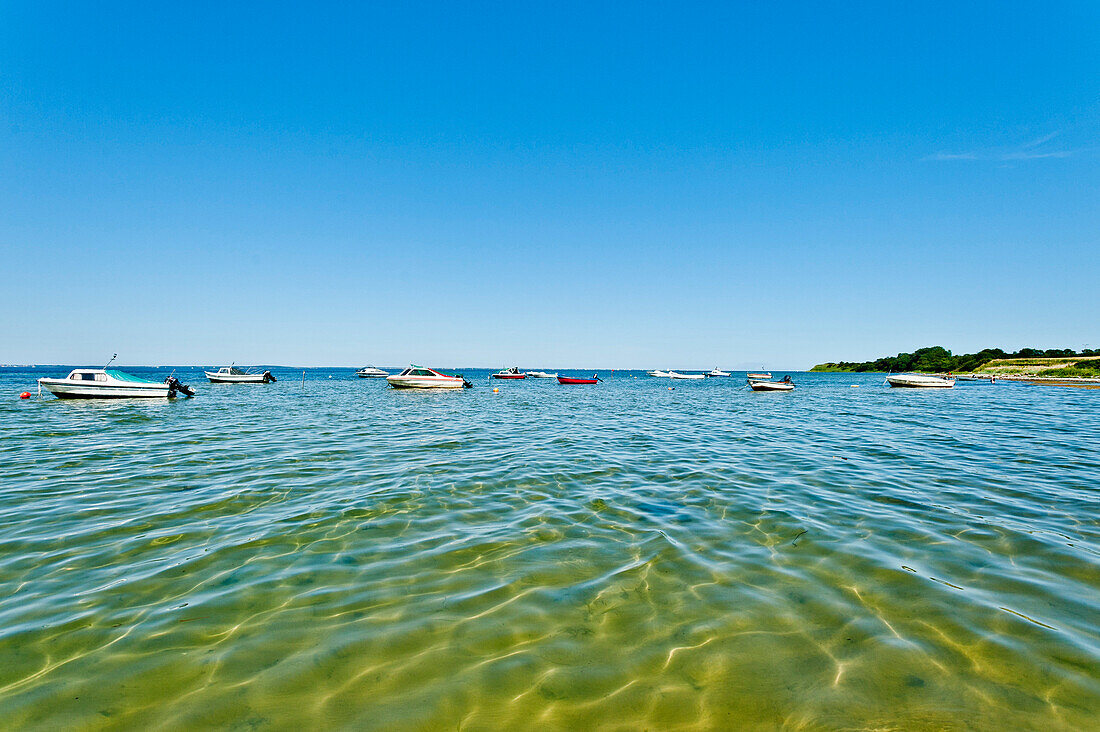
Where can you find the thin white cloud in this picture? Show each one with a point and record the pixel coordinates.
(1028, 155)
(1042, 140)
(1032, 150)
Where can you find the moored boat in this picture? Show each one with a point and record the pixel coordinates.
(419, 377)
(658, 373)
(761, 385)
(920, 381)
(234, 375)
(512, 373)
(112, 384)
(571, 380)
(762, 376)
(542, 375)
(718, 372)
(371, 372)
(676, 375)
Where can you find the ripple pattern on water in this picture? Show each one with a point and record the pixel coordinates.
(625, 556)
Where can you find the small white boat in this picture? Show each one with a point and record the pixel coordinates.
(512, 373)
(762, 376)
(675, 375)
(371, 372)
(541, 375)
(920, 381)
(112, 384)
(760, 385)
(234, 375)
(718, 372)
(419, 377)
(659, 373)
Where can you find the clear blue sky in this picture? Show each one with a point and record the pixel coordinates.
(546, 184)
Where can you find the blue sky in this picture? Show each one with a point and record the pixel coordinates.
(564, 184)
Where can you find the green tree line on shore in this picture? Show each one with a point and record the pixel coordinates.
(937, 359)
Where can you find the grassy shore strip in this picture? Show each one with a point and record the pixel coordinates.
(1064, 363)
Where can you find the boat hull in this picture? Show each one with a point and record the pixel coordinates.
(687, 377)
(568, 381)
(895, 384)
(237, 378)
(425, 382)
(919, 382)
(509, 376)
(770, 386)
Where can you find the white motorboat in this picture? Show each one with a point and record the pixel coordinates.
(675, 375)
(112, 384)
(234, 375)
(541, 375)
(718, 372)
(659, 373)
(371, 372)
(419, 377)
(760, 385)
(920, 381)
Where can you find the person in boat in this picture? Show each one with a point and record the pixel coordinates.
(787, 379)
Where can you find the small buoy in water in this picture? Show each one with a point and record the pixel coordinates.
(670, 388)
(495, 390)
(25, 395)
(855, 386)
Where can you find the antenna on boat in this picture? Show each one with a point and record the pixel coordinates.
(111, 361)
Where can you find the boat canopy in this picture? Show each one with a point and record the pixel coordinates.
(120, 376)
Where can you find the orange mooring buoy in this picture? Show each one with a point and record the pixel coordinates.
(25, 395)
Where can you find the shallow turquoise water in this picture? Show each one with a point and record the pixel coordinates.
(622, 556)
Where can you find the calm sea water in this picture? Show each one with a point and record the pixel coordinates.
(623, 556)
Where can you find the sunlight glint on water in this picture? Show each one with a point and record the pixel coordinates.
(623, 555)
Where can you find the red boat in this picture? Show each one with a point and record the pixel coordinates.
(512, 373)
(567, 380)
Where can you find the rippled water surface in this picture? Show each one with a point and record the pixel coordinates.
(623, 556)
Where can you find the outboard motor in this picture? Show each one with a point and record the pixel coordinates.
(465, 384)
(174, 385)
(268, 378)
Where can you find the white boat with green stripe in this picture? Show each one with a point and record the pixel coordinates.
(107, 384)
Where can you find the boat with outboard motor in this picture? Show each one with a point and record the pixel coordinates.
(718, 372)
(512, 373)
(233, 375)
(371, 372)
(920, 381)
(419, 377)
(112, 384)
(571, 380)
(760, 385)
(542, 375)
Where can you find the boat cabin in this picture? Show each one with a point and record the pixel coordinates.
(87, 375)
(418, 371)
(230, 371)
